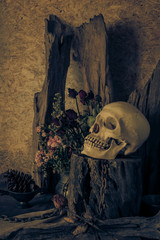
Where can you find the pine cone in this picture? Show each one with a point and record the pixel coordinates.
(20, 182)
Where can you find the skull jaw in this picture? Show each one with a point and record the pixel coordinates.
(99, 153)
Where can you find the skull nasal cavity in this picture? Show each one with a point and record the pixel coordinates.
(96, 128)
(110, 123)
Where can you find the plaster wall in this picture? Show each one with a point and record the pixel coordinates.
(22, 58)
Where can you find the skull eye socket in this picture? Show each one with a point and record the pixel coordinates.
(110, 123)
(96, 128)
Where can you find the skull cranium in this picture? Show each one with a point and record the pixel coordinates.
(119, 127)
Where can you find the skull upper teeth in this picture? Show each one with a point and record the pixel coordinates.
(97, 143)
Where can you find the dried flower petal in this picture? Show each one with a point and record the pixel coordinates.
(38, 129)
(57, 139)
(54, 142)
(72, 92)
(44, 134)
(83, 102)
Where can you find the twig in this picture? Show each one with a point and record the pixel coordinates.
(94, 226)
(88, 222)
(51, 219)
(77, 107)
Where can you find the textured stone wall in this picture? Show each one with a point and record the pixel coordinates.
(22, 58)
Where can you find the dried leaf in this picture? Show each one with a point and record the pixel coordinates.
(70, 219)
(80, 229)
(87, 216)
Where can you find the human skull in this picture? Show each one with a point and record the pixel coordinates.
(119, 127)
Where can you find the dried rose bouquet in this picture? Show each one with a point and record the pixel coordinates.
(66, 132)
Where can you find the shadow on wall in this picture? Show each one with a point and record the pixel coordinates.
(123, 60)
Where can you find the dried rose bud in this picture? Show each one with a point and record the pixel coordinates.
(90, 95)
(98, 98)
(59, 201)
(82, 94)
(71, 114)
(72, 93)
